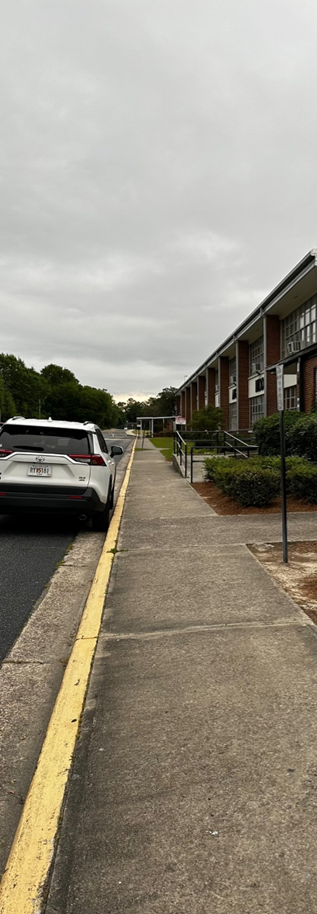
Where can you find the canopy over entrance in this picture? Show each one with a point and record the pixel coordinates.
(149, 420)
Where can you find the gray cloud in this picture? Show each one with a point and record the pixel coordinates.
(157, 178)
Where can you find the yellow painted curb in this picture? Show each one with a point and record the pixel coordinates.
(32, 852)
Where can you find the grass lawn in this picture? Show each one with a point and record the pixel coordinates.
(166, 446)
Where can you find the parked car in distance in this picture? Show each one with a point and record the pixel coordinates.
(49, 467)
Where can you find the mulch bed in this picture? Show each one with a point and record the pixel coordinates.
(222, 504)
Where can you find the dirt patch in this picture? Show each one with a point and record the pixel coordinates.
(299, 577)
(222, 504)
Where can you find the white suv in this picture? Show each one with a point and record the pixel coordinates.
(49, 466)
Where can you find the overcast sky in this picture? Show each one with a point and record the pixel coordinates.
(158, 177)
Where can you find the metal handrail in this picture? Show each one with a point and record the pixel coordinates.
(240, 441)
(181, 450)
(225, 448)
(221, 441)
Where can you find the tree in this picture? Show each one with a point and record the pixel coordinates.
(25, 385)
(7, 404)
(63, 402)
(165, 401)
(55, 375)
(208, 419)
(118, 415)
(96, 405)
(133, 409)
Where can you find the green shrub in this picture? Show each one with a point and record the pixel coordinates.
(257, 481)
(267, 433)
(247, 482)
(255, 487)
(216, 467)
(302, 482)
(303, 438)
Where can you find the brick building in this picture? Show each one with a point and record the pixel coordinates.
(240, 375)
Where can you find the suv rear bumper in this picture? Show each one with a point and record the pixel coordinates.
(39, 499)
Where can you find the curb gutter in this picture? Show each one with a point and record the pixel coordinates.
(23, 885)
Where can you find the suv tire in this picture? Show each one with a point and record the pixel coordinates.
(111, 497)
(100, 521)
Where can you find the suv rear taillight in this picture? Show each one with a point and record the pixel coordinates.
(94, 459)
(80, 457)
(4, 453)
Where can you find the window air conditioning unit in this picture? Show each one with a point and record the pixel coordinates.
(294, 346)
(256, 366)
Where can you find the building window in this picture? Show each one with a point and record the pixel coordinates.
(256, 356)
(233, 416)
(290, 397)
(216, 381)
(259, 384)
(299, 327)
(256, 409)
(232, 372)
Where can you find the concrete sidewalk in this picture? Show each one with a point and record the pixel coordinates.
(194, 786)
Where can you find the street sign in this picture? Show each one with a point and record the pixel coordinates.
(179, 420)
(280, 387)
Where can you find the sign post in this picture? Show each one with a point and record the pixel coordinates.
(280, 406)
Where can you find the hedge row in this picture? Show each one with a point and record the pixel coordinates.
(300, 435)
(256, 482)
(247, 482)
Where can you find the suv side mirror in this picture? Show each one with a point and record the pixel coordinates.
(116, 449)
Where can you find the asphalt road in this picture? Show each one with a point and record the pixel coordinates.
(30, 549)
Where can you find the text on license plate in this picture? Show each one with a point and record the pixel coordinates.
(40, 471)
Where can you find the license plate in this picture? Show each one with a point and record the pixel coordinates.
(40, 471)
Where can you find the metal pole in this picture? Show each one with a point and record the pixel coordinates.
(283, 487)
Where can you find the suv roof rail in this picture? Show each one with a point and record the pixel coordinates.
(16, 417)
(88, 422)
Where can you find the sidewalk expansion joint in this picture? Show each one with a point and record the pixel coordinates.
(198, 629)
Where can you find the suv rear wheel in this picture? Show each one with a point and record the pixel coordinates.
(111, 496)
(100, 521)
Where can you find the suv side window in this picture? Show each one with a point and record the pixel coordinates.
(101, 442)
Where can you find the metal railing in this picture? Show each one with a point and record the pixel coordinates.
(239, 446)
(221, 442)
(181, 451)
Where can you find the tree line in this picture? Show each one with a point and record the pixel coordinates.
(163, 404)
(56, 392)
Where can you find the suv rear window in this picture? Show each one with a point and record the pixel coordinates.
(47, 440)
